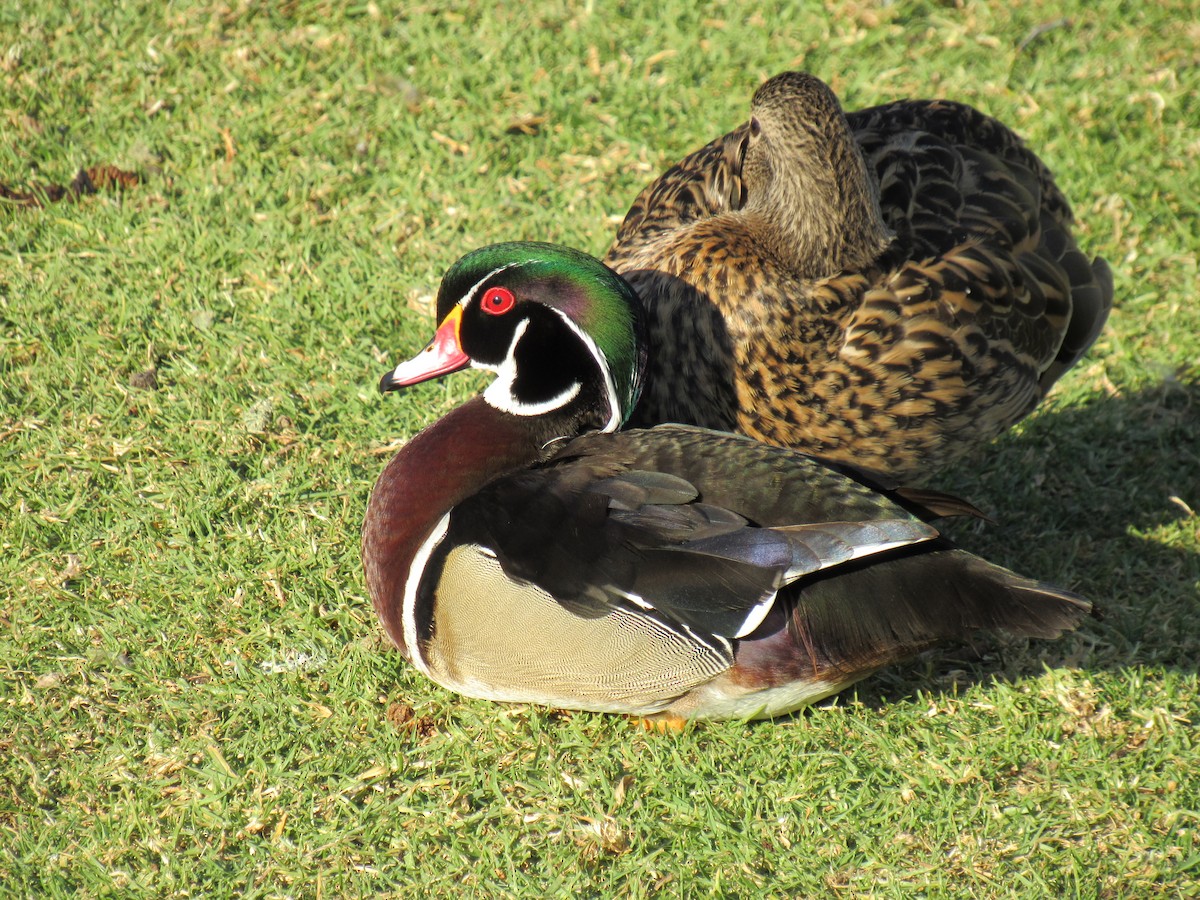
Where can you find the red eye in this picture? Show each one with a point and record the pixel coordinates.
(498, 301)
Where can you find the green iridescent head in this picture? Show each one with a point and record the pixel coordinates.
(489, 299)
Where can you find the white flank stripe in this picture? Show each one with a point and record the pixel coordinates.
(858, 551)
(755, 617)
(635, 599)
(713, 641)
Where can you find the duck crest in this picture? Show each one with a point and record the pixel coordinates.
(595, 303)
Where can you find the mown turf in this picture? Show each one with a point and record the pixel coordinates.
(195, 699)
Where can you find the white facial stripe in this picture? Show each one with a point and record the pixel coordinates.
(408, 615)
(507, 370)
(469, 295)
(502, 399)
(499, 393)
(610, 387)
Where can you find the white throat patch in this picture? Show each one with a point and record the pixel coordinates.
(500, 392)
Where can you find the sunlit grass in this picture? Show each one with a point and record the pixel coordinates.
(196, 699)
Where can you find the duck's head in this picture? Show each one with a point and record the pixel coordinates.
(563, 333)
(790, 113)
(804, 174)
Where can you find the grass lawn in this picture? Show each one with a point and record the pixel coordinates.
(195, 698)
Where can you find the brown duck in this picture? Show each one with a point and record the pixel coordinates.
(887, 289)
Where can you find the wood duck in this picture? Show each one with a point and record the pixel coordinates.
(887, 289)
(519, 550)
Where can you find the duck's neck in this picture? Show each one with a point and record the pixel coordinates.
(449, 461)
(821, 210)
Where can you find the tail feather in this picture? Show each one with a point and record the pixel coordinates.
(863, 616)
(1091, 302)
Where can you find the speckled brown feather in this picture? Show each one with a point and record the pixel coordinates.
(887, 289)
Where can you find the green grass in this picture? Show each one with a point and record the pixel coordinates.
(195, 699)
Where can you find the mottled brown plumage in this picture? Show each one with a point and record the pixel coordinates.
(887, 289)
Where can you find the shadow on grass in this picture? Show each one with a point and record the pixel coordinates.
(1104, 499)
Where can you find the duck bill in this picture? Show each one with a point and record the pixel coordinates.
(443, 355)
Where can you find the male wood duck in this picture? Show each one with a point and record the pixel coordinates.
(887, 289)
(519, 550)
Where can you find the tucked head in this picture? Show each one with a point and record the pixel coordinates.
(805, 177)
(793, 113)
(559, 328)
